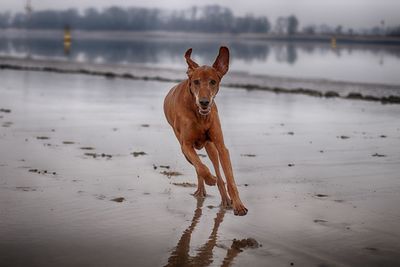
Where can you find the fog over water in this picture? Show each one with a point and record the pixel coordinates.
(354, 13)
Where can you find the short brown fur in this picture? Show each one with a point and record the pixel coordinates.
(190, 109)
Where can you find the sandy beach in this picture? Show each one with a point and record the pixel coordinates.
(91, 174)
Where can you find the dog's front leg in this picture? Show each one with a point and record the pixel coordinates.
(213, 155)
(203, 173)
(218, 139)
(238, 207)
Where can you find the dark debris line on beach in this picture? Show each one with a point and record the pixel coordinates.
(5, 110)
(392, 99)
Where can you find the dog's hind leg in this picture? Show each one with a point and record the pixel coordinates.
(213, 155)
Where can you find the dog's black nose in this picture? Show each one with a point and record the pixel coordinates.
(204, 102)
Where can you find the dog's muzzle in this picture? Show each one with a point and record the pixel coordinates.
(205, 111)
(204, 106)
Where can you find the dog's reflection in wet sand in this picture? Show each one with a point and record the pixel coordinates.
(180, 255)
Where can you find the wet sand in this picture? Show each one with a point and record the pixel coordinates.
(91, 174)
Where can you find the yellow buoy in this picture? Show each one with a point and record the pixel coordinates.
(67, 40)
(333, 42)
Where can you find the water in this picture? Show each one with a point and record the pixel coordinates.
(352, 63)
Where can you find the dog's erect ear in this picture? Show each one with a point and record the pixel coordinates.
(191, 64)
(221, 63)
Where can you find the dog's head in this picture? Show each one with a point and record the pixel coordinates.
(204, 81)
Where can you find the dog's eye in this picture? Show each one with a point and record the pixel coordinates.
(196, 82)
(213, 82)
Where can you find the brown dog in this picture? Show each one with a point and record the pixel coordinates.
(193, 115)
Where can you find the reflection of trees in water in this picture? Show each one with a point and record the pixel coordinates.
(310, 49)
(138, 51)
(155, 51)
(286, 53)
(37, 47)
(291, 54)
(348, 49)
(249, 53)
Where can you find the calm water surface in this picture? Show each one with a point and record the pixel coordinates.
(355, 63)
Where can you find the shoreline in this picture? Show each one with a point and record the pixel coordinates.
(386, 94)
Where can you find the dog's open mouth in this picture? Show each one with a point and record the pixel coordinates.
(204, 111)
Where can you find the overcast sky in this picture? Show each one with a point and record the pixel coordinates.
(350, 13)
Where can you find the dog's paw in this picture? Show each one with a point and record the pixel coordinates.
(210, 180)
(226, 203)
(200, 193)
(239, 209)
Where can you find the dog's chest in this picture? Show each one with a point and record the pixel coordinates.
(200, 137)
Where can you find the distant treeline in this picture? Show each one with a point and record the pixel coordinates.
(208, 19)
(199, 19)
